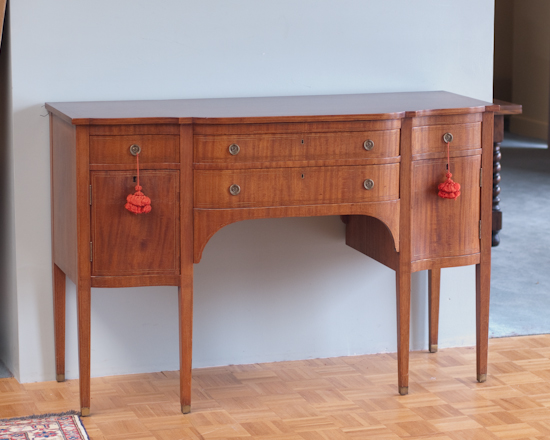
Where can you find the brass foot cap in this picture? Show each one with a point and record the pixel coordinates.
(403, 391)
(186, 409)
(482, 377)
(84, 411)
(433, 348)
(60, 378)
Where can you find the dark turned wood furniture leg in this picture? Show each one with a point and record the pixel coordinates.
(59, 321)
(506, 108)
(497, 213)
(434, 279)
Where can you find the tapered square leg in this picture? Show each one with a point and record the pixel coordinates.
(403, 284)
(483, 284)
(434, 282)
(84, 329)
(59, 279)
(185, 303)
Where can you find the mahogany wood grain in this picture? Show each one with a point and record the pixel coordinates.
(294, 164)
(467, 118)
(59, 281)
(132, 166)
(209, 221)
(295, 186)
(290, 147)
(483, 269)
(375, 106)
(404, 269)
(434, 281)
(442, 154)
(126, 244)
(187, 173)
(185, 291)
(132, 130)
(253, 128)
(136, 280)
(83, 284)
(445, 227)
(63, 201)
(372, 237)
(429, 138)
(116, 149)
(442, 262)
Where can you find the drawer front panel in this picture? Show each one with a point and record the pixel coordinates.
(295, 186)
(429, 139)
(116, 149)
(285, 147)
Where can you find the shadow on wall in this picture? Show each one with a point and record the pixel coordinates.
(9, 350)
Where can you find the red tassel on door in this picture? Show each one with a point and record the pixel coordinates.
(138, 203)
(448, 189)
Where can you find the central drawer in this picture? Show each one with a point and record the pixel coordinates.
(295, 186)
(273, 147)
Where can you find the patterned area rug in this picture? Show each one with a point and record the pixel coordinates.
(66, 426)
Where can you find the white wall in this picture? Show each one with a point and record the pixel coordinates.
(266, 289)
(9, 345)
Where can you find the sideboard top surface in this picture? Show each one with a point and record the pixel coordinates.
(268, 109)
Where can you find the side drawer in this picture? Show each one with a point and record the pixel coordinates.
(290, 147)
(295, 186)
(116, 149)
(429, 139)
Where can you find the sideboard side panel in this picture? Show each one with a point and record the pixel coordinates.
(64, 231)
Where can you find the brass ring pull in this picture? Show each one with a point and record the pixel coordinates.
(447, 138)
(368, 144)
(135, 149)
(368, 184)
(234, 190)
(234, 149)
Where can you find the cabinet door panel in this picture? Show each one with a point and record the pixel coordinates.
(130, 244)
(445, 227)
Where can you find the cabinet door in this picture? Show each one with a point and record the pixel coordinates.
(128, 244)
(445, 227)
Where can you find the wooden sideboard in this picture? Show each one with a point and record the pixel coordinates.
(374, 159)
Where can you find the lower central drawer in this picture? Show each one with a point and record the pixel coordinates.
(295, 186)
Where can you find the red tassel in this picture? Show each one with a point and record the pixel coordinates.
(448, 189)
(138, 203)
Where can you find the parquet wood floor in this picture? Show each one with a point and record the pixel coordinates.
(321, 399)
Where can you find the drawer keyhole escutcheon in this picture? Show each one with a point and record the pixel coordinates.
(234, 149)
(447, 138)
(368, 144)
(135, 149)
(234, 189)
(368, 184)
